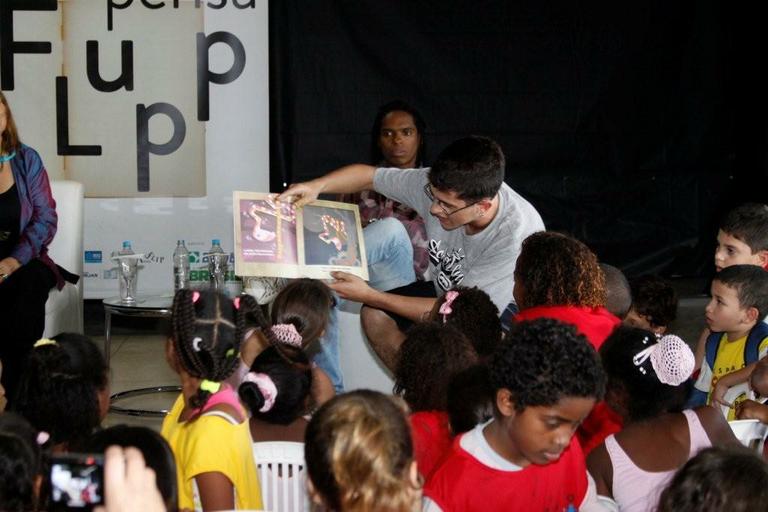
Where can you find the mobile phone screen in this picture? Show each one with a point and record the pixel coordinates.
(77, 481)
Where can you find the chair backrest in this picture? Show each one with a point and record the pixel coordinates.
(66, 249)
(751, 433)
(282, 475)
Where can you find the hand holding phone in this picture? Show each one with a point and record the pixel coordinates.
(77, 481)
(130, 485)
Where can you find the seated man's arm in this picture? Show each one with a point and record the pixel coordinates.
(344, 180)
(351, 287)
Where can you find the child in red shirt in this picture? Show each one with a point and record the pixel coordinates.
(429, 357)
(547, 378)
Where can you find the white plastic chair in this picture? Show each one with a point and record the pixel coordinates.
(282, 475)
(64, 308)
(751, 433)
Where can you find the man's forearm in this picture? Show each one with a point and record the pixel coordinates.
(412, 308)
(347, 180)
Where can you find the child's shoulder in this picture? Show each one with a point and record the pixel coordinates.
(233, 415)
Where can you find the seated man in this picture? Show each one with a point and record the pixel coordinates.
(475, 224)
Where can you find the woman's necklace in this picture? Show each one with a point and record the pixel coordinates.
(6, 158)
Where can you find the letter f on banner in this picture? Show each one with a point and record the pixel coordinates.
(8, 47)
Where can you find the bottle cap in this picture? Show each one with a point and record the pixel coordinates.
(126, 244)
(216, 241)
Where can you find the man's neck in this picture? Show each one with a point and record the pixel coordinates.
(482, 222)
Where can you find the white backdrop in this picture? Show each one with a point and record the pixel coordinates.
(236, 149)
(237, 158)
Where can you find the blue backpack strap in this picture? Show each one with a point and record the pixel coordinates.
(752, 347)
(698, 397)
(711, 346)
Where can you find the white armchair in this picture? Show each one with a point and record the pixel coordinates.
(64, 308)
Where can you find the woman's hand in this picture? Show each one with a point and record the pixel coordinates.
(7, 267)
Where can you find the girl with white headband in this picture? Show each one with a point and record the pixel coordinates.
(648, 383)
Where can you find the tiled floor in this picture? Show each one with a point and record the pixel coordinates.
(138, 361)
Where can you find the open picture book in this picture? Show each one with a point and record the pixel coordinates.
(276, 239)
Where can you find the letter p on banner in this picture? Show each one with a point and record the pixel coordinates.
(205, 76)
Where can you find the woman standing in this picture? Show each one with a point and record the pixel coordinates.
(27, 225)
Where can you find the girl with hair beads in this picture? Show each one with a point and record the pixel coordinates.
(64, 390)
(207, 427)
(473, 313)
(648, 384)
(359, 455)
(429, 357)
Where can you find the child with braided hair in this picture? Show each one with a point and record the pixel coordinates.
(207, 427)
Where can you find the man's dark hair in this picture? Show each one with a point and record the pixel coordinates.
(473, 167)
(748, 223)
(751, 285)
(545, 360)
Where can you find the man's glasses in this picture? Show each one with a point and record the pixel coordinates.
(433, 199)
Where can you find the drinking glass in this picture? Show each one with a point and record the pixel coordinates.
(128, 269)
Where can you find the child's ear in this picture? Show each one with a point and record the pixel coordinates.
(762, 257)
(752, 315)
(505, 402)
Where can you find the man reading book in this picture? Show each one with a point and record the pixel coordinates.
(475, 225)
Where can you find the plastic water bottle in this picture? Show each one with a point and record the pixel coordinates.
(217, 266)
(127, 270)
(180, 266)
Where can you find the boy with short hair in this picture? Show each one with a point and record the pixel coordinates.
(743, 237)
(739, 337)
(547, 378)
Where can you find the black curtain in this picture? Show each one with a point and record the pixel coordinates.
(630, 125)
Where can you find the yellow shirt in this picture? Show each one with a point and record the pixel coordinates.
(212, 444)
(730, 358)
